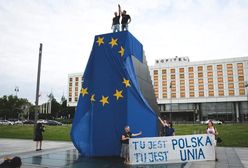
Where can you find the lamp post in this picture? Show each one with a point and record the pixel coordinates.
(170, 100)
(16, 90)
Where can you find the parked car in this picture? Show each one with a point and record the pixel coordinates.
(53, 122)
(214, 122)
(18, 122)
(42, 121)
(6, 122)
(28, 122)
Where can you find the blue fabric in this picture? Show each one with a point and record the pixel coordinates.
(97, 129)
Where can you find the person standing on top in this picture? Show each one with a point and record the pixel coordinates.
(116, 21)
(126, 19)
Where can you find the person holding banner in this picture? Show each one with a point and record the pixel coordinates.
(167, 129)
(212, 131)
(125, 143)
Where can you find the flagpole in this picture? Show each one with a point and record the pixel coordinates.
(37, 88)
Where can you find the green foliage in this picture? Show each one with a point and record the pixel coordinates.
(13, 107)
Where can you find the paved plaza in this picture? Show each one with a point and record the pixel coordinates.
(63, 154)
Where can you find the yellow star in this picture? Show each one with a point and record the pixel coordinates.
(104, 100)
(118, 94)
(92, 98)
(84, 91)
(121, 51)
(126, 82)
(113, 42)
(100, 40)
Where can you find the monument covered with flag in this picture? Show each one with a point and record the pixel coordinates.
(116, 91)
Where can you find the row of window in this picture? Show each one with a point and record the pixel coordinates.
(200, 68)
(201, 93)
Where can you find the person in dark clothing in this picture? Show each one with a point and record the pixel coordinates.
(125, 143)
(116, 20)
(167, 128)
(38, 135)
(15, 162)
(126, 19)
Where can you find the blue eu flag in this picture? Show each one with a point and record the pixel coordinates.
(110, 97)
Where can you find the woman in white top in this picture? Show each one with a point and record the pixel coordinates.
(213, 131)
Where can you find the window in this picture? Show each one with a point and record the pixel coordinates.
(210, 67)
(210, 80)
(201, 87)
(229, 66)
(241, 91)
(182, 94)
(201, 94)
(240, 72)
(240, 65)
(164, 95)
(181, 70)
(200, 81)
(70, 84)
(172, 70)
(221, 92)
(220, 80)
(191, 69)
(241, 78)
(182, 87)
(230, 79)
(229, 72)
(231, 92)
(220, 86)
(200, 75)
(155, 72)
(69, 99)
(219, 67)
(76, 84)
(163, 71)
(164, 83)
(200, 68)
(211, 86)
(173, 76)
(164, 89)
(192, 94)
(173, 89)
(210, 93)
(191, 75)
(181, 75)
(70, 79)
(76, 89)
(210, 73)
(182, 82)
(173, 83)
(173, 95)
(191, 88)
(76, 99)
(219, 73)
(76, 78)
(241, 85)
(191, 81)
(155, 77)
(155, 83)
(164, 77)
(230, 85)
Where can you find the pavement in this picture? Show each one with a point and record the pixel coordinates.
(63, 154)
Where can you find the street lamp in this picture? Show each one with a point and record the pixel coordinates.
(16, 90)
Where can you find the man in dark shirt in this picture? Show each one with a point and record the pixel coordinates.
(126, 19)
(116, 21)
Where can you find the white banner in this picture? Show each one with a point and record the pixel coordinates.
(172, 149)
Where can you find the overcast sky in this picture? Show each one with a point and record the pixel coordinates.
(199, 29)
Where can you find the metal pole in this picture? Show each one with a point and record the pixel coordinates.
(170, 100)
(37, 87)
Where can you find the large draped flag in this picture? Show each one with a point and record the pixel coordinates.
(111, 98)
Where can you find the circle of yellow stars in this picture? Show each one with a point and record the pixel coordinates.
(118, 93)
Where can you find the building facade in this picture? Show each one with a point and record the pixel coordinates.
(194, 91)
(75, 82)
